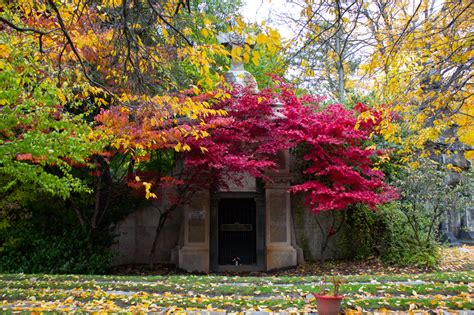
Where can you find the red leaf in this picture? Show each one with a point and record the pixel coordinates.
(24, 157)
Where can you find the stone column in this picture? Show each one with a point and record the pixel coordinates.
(279, 251)
(194, 255)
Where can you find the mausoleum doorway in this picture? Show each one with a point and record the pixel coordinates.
(237, 232)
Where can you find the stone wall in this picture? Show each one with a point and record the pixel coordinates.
(459, 221)
(135, 237)
(307, 232)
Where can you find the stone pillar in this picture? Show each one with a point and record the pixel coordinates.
(279, 251)
(194, 255)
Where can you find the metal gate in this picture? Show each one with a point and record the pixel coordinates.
(237, 236)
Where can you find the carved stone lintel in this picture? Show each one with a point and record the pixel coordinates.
(279, 180)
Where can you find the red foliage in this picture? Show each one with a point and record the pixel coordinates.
(95, 173)
(244, 141)
(340, 162)
(360, 107)
(339, 168)
(24, 157)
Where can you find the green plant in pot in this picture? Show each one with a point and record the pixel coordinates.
(327, 301)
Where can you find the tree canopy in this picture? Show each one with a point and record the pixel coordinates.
(413, 56)
(77, 58)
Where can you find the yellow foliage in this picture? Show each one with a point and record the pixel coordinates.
(410, 71)
(148, 193)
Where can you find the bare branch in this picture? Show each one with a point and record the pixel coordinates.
(28, 29)
(162, 18)
(74, 50)
(404, 30)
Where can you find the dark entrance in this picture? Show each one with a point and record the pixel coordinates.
(237, 234)
(237, 231)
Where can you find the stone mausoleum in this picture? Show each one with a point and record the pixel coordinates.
(244, 228)
(253, 227)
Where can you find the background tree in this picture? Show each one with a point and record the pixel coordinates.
(422, 67)
(426, 198)
(327, 47)
(40, 140)
(413, 56)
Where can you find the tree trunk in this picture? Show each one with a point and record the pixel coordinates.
(323, 242)
(161, 222)
(326, 236)
(340, 67)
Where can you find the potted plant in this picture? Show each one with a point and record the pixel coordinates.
(327, 303)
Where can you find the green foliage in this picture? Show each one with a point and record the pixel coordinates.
(428, 193)
(41, 236)
(267, 64)
(40, 233)
(361, 233)
(28, 250)
(397, 245)
(38, 139)
(386, 233)
(405, 232)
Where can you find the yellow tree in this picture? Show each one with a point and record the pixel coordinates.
(413, 56)
(422, 67)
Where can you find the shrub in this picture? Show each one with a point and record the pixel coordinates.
(405, 232)
(40, 233)
(361, 234)
(27, 250)
(397, 244)
(385, 233)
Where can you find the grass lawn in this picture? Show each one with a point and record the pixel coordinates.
(368, 286)
(441, 290)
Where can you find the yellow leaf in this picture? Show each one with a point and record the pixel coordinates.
(236, 53)
(255, 57)
(205, 32)
(4, 50)
(246, 57)
(261, 38)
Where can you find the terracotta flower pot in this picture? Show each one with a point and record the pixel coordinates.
(328, 304)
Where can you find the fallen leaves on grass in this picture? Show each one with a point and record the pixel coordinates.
(457, 258)
(176, 294)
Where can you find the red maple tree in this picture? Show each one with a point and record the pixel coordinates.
(339, 169)
(340, 160)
